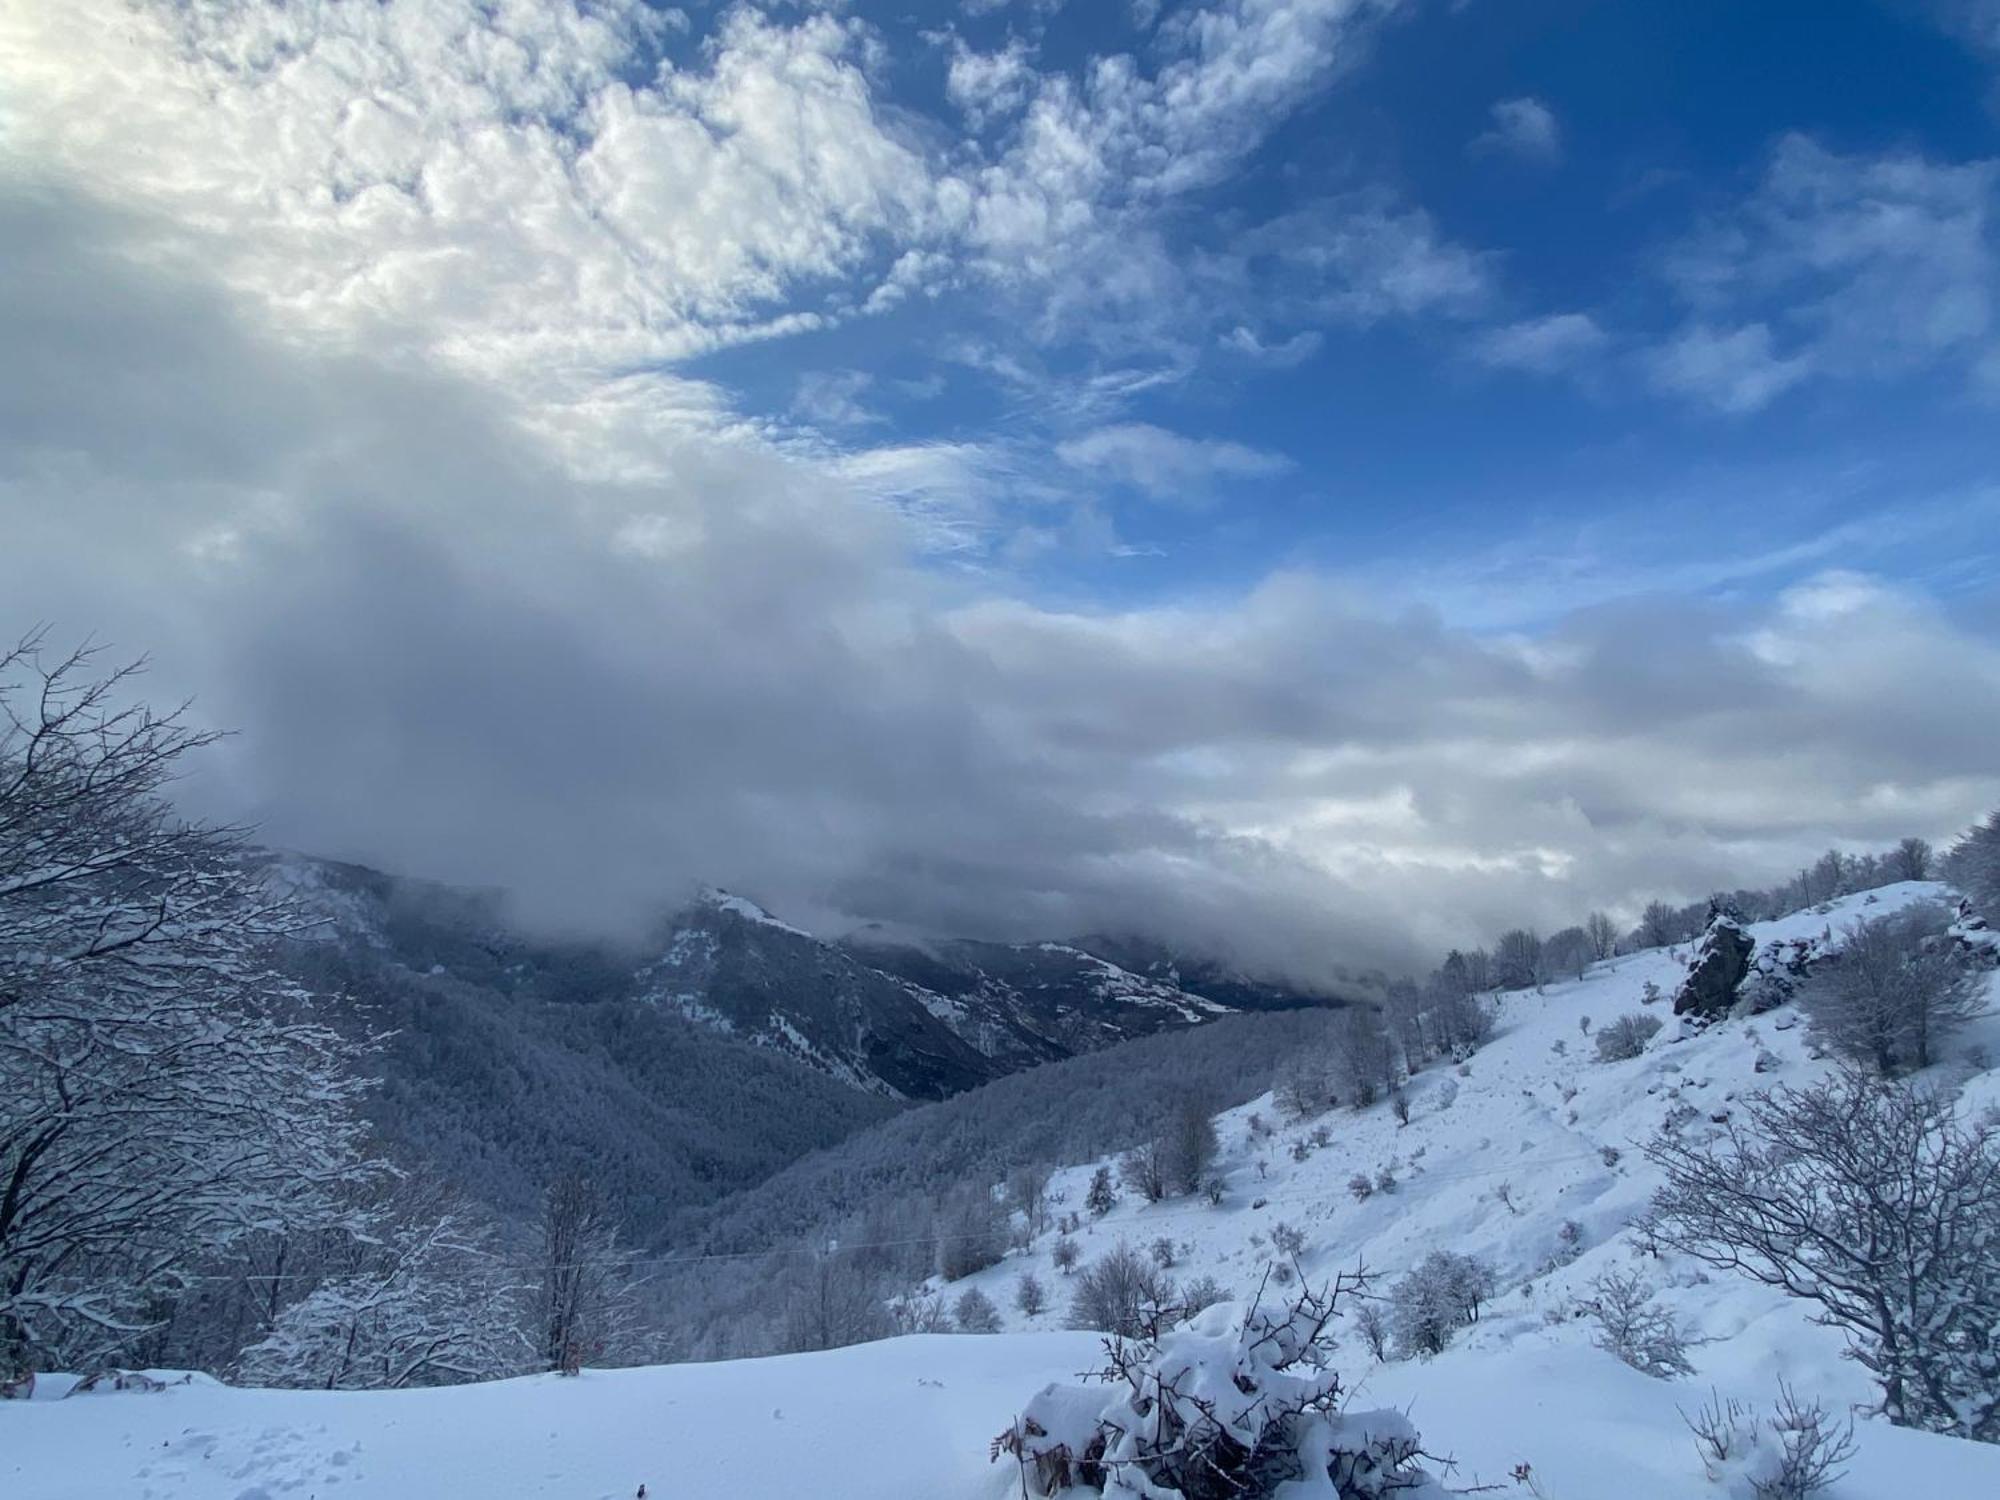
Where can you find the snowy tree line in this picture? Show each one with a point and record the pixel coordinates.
(1523, 958)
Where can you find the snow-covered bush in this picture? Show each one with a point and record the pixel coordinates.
(1029, 1295)
(1637, 1329)
(976, 1313)
(1373, 1326)
(1626, 1037)
(1165, 1252)
(1220, 1406)
(1874, 1201)
(920, 1314)
(1361, 1185)
(1794, 1454)
(1288, 1239)
(1203, 1291)
(1064, 1254)
(1121, 1292)
(1442, 1295)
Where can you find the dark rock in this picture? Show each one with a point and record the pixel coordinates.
(1717, 970)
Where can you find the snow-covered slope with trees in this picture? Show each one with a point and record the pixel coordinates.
(1530, 1157)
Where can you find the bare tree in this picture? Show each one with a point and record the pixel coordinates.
(1603, 934)
(830, 1303)
(165, 1095)
(1912, 860)
(1659, 925)
(1028, 1191)
(1892, 990)
(585, 1296)
(1119, 1293)
(1144, 1169)
(1517, 960)
(1365, 1060)
(1873, 1201)
(1569, 951)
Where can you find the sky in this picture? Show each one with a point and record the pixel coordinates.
(1315, 479)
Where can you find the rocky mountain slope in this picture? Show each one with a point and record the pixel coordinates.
(895, 1019)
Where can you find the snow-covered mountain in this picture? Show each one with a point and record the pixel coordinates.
(925, 1020)
(898, 1019)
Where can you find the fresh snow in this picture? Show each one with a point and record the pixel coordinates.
(912, 1417)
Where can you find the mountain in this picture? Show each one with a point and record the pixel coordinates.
(926, 1020)
(505, 1061)
(695, 1064)
(728, 964)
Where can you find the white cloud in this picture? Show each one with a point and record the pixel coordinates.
(1733, 370)
(988, 86)
(1524, 129)
(1542, 346)
(1166, 465)
(1282, 355)
(833, 398)
(482, 182)
(1361, 259)
(1856, 267)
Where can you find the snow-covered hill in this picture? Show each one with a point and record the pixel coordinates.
(1496, 1158)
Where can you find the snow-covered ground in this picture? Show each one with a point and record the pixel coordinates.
(1492, 1162)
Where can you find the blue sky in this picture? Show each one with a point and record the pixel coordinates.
(1319, 479)
(1571, 153)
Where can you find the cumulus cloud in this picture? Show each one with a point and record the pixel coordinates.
(1166, 465)
(1525, 129)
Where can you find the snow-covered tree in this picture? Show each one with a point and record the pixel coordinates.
(1892, 990)
(1637, 1329)
(1603, 935)
(1441, 1295)
(1518, 960)
(1304, 1085)
(1912, 859)
(1973, 865)
(1874, 1201)
(1029, 1295)
(413, 1302)
(1102, 1196)
(165, 1095)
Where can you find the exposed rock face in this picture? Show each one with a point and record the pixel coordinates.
(1717, 970)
